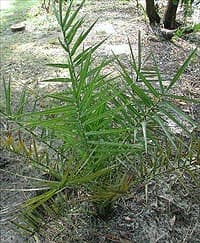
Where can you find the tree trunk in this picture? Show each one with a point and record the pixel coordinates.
(170, 15)
(151, 12)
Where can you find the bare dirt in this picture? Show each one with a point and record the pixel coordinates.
(163, 212)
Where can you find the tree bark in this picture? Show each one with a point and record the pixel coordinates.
(151, 12)
(170, 15)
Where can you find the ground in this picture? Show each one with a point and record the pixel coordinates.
(163, 211)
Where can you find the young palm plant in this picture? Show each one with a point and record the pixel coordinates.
(108, 133)
(86, 139)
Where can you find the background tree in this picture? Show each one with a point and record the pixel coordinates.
(151, 12)
(169, 20)
(170, 14)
